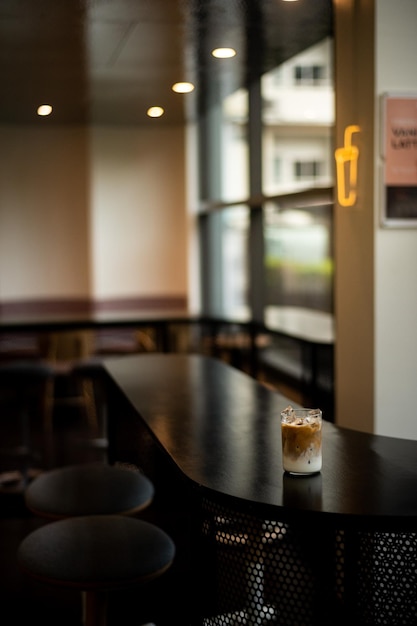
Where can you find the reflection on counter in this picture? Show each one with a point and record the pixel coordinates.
(303, 492)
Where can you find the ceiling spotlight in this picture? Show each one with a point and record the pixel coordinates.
(155, 112)
(44, 109)
(183, 87)
(223, 53)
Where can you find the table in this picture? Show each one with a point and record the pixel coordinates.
(60, 322)
(314, 333)
(325, 549)
(304, 324)
(312, 330)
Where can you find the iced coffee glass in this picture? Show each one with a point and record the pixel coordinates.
(301, 440)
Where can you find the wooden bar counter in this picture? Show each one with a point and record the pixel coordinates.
(259, 546)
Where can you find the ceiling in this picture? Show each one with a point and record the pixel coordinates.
(107, 61)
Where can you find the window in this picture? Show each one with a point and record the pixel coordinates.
(269, 145)
(307, 169)
(309, 74)
(297, 125)
(224, 157)
(226, 233)
(276, 169)
(298, 255)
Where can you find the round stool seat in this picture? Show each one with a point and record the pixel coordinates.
(96, 552)
(88, 489)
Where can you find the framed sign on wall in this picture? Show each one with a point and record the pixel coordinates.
(399, 159)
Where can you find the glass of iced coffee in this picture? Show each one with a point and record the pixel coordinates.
(301, 440)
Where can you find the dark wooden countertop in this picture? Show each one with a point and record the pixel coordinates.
(221, 428)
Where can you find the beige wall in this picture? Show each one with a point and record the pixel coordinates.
(138, 228)
(44, 179)
(354, 227)
(92, 213)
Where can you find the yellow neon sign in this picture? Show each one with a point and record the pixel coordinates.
(347, 160)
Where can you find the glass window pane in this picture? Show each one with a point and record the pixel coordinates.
(298, 120)
(234, 277)
(299, 256)
(224, 148)
(229, 268)
(234, 147)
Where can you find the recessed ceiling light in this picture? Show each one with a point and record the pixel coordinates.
(44, 109)
(155, 112)
(183, 87)
(223, 53)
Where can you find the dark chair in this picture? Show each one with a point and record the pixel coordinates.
(89, 489)
(66, 351)
(96, 554)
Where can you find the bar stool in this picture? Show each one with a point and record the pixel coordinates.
(88, 489)
(96, 554)
(65, 351)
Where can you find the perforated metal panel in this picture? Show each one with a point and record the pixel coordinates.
(387, 581)
(270, 572)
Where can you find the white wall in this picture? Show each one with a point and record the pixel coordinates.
(138, 228)
(96, 213)
(43, 213)
(396, 249)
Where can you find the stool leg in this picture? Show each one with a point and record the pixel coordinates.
(90, 404)
(95, 608)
